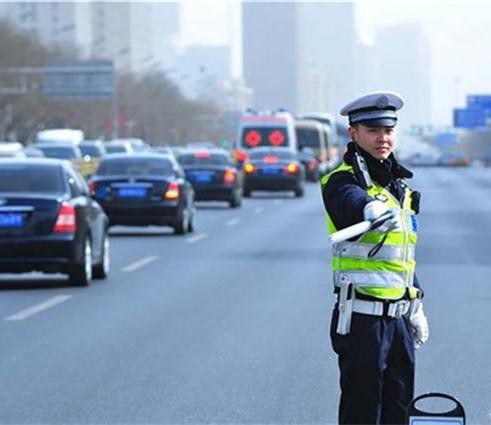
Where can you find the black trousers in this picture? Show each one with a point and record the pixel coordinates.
(376, 363)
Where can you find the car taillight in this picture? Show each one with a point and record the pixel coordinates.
(229, 176)
(291, 168)
(92, 187)
(172, 192)
(249, 168)
(67, 219)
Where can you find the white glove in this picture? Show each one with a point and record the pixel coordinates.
(419, 323)
(375, 209)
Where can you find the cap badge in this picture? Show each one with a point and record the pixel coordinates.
(382, 102)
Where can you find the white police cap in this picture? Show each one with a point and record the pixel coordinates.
(374, 110)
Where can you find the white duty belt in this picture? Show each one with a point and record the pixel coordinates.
(395, 309)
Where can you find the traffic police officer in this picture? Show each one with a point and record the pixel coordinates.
(378, 319)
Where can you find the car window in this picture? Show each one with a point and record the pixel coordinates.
(60, 152)
(136, 167)
(31, 178)
(281, 154)
(91, 150)
(308, 137)
(204, 159)
(116, 149)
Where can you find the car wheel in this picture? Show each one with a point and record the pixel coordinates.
(236, 200)
(191, 224)
(246, 193)
(81, 274)
(183, 223)
(299, 192)
(101, 271)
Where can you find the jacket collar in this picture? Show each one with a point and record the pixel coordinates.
(383, 172)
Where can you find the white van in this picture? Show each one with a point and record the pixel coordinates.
(63, 135)
(258, 129)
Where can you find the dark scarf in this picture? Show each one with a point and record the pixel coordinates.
(383, 172)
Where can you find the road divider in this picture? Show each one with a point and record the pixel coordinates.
(38, 308)
(139, 264)
(197, 238)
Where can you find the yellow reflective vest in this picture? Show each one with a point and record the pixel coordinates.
(389, 273)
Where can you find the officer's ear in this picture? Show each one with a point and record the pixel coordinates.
(352, 131)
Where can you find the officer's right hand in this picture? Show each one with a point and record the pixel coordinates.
(383, 218)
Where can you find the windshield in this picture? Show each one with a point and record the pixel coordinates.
(308, 137)
(116, 149)
(136, 167)
(91, 150)
(60, 152)
(31, 178)
(253, 137)
(281, 154)
(203, 159)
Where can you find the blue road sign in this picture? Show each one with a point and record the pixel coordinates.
(470, 118)
(479, 101)
(86, 80)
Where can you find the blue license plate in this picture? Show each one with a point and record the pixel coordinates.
(202, 177)
(11, 220)
(132, 192)
(271, 170)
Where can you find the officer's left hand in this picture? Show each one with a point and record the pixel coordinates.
(419, 324)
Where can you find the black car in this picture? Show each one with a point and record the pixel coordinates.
(213, 175)
(273, 169)
(144, 189)
(49, 223)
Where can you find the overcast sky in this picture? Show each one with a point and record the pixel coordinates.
(459, 32)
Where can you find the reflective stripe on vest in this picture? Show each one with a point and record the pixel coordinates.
(389, 272)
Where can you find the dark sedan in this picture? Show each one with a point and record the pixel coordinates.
(49, 223)
(144, 189)
(212, 175)
(273, 169)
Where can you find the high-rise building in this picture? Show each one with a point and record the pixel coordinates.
(58, 24)
(299, 55)
(406, 71)
(138, 36)
(269, 40)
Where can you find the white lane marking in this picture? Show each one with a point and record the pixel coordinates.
(197, 238)
(278, 201)
(258, 210)
(38, 308)
(232, 222)
(139, 264)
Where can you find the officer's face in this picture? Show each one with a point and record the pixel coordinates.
(377, 141)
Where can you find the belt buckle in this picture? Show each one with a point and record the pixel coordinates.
(399, 309)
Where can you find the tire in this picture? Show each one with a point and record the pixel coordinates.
(183, 223)
(246, 193)
(191, 224)
(299, 192)
(81, 274)
(236, 201)
(101, 271)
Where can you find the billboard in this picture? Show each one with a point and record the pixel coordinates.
(85, 80)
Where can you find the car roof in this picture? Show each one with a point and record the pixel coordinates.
(34, 161)
(210, 150)
(56, 145)
(145, 155)
(272, 148)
